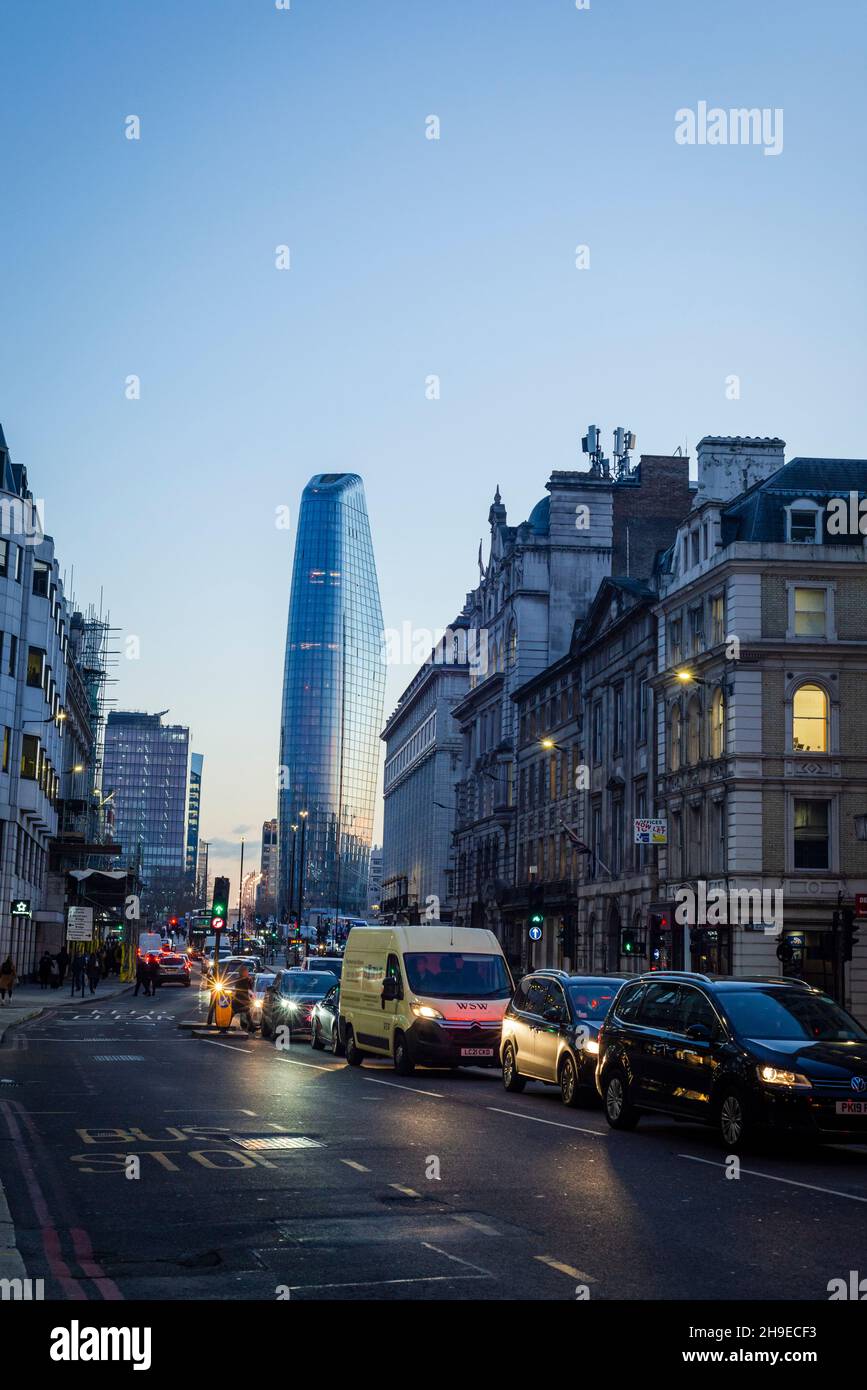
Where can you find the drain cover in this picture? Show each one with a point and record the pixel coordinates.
(276, 1141)
(118, 1057)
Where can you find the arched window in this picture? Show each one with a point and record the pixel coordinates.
(513, 644)
(717, 724)
(693, 731)
(674, 738)
(810, 720)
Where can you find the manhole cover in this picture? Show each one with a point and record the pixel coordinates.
(276, 1141)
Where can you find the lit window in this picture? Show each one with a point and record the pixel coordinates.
(810, 720)
(693, 731)
(674, 739)
(810, 613)
(717, 725)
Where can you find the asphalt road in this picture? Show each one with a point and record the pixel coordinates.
(274, 1174)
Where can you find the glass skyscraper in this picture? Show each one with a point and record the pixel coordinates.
(333, 685)
(145, 775)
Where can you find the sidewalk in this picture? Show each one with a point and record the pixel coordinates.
(29, 1001)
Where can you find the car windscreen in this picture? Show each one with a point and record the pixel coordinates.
(790, 1014)
(261, 983)
(313, 983)
(591, 999)
(453, 975)
(333, 966)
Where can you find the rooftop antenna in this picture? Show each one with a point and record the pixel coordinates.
(591, 444)
(624, 442)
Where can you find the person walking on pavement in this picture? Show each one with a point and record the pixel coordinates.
(141, 976)
(63, 962)
(8, 976)
(94, 971)
(54, 972)
(153, 969)
(78, 975)
(44, 969)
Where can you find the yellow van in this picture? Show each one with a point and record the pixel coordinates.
(429, 995)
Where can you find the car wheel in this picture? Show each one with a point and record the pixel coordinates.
(618, 1111)
(403, 1063)
(569, 1081)
(734, 1126)
(512, 1079)
(335, 1041)
(315, 1041)
(353, 1056)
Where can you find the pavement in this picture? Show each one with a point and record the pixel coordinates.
(142, 1162)
(28, 1001)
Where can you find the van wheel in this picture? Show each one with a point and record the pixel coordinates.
(512, 1079)
(403, 1063)
(735, 1129)
(618, 1111)
(569, 1081)
(353, 1056)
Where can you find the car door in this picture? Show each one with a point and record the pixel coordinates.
(391, 1007)
(549, 1032)
(527, 1025)
(653, 1046)
(328, 1014)
(694, 1052)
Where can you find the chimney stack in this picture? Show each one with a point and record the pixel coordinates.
(728, 465)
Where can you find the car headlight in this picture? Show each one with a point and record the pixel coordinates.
(425, 1011)
(591, 1046)
(773, 1076)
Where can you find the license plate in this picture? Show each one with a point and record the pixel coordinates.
(477, 1052)
(852, 1107)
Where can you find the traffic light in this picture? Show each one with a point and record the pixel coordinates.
(221, 904)
(850, 934)
(173, 921)
(627, 942)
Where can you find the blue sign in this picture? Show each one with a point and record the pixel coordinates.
(535, 933)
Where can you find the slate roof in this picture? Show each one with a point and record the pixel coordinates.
(759, 514)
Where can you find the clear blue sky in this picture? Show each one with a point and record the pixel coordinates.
(409, 257)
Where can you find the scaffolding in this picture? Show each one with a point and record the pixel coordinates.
(97, 660)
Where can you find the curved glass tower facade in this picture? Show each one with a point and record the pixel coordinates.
(333, 686)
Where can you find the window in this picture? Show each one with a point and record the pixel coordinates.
(597, 732)
(812, 840)
(695, 554)
(641, 712)
(693, 731)
(717, 724)
(629, 1002)
(802, 523)
(674, 737)
(596, 844)
(7, 741)
(717, 619)
(810, 619)
(696, 629)
(660, 1006)
(556, 999)
(537, 994)
(618, 719)
(29, 756)
(4, 559)
(41, 573)
(810, 720)
(675, 651)
(35, 667)
(13, 654)
(18, 563)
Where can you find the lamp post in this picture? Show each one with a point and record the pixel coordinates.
(294, 829)
(303, 816)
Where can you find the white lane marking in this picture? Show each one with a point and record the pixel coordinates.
(476, 1225)
(416, 1090)
(230, 1046)
(516, 1114)
(771, 1177)
(485, 1273)
(384, 1283)
(359, 1167)
(565, 1269)
(407, 1191)
(249, 1112)
(315, 1066)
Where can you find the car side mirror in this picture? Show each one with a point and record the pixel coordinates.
(389, 989)
(553, 1016)
(698, 1032)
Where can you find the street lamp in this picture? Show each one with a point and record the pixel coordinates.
(294, 829)
(303, 815)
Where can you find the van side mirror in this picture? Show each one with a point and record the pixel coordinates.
(389, 989)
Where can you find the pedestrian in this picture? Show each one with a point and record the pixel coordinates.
(141, 976)
(105, 960)
(44, 969)
(78, 975)
(153, 969)
(63, 962)
(8, 976)
(94, 971)
(55, 979)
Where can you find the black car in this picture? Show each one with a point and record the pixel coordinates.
(323, 1022)
(288, 1002)
(550, 1030)
(743, 1055)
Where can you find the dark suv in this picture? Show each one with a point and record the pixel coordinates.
(739, 1054)
(550, 1027)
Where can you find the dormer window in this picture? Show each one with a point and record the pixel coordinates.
(802, 523)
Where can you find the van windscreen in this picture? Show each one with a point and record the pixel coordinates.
(452, 975)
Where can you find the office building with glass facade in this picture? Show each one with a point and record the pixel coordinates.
(333, 686)
(145, 774)
(194, 808)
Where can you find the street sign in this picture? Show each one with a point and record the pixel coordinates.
(651, 832)
(535, 933)
(79, 924)
(218, 923)
(861, 904)
(21, 907)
